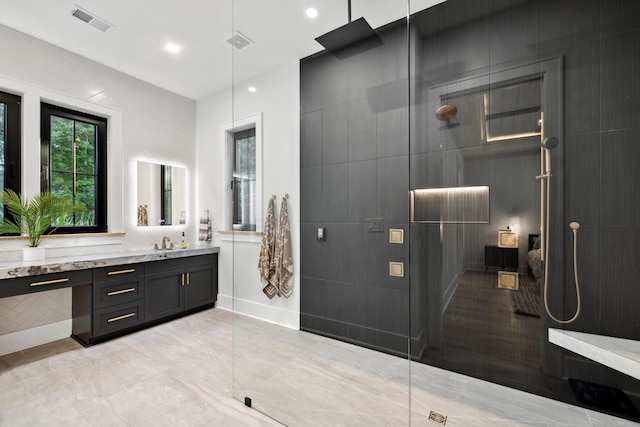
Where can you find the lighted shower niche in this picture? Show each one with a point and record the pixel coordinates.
(453, 205)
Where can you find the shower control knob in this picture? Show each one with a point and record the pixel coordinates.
(574, 225)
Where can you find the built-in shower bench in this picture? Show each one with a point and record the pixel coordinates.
(618, 353)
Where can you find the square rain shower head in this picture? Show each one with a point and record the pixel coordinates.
(357, 34)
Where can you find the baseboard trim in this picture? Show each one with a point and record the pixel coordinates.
(21, 340)
(266, 313)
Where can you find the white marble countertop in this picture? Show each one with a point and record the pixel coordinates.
(618, 353)
(10, 270)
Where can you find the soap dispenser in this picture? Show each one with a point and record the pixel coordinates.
(183, 244)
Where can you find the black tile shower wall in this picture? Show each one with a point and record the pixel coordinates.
(354, 170)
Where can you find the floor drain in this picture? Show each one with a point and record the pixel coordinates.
(438, 418)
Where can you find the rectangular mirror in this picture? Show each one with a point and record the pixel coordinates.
(162, 191)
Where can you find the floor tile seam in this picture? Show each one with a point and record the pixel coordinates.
(350, 413)
(27, 404)
(337, 377)
(225, 394)
(192, 395)
(92, 422)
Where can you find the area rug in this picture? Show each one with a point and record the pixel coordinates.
(526, 300)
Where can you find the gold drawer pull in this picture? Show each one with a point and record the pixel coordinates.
(113, 273)
(48, 282)
(182, 279)
(123, 291)
(124, 316)
(188, 278)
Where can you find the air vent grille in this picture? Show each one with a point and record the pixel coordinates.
(91, 19)
(82, 15)
(239, 41)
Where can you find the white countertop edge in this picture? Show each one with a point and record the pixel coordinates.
(618, 353)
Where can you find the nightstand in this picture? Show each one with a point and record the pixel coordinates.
(503, 258)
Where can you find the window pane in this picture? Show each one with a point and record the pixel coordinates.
(73, 160)
(61, 144)
(166, 196)
(86, 197)
(244, 197)
(10, 144)
(62, 183)
(85, 147)
(3, 132)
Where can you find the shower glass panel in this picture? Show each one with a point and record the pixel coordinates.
(494, 82)
(427, 239)
(335, 138)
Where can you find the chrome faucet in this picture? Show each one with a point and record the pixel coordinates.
(165, 239)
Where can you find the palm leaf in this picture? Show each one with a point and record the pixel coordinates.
(34, 217)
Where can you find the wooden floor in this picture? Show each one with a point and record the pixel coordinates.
(484, 338)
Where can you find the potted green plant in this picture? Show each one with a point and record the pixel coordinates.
(33, 218)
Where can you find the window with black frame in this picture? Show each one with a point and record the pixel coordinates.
(10, 140)
(73, 164)
(244, 179)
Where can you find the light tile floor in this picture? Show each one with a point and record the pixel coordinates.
(186, 372)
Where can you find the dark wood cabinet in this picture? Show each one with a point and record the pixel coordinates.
(125, 298)
(198, 289)
(503, 258)
(172, 287)
(112, 303)
(165, 294)
(44, 282)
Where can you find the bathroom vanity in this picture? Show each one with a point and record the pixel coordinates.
(114, 294)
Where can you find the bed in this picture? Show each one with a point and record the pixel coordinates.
(533, 257)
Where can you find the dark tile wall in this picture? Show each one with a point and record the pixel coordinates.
(356, 164)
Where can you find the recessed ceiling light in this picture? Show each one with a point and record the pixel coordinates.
(173, 48)
(251, 89)
(311, 12)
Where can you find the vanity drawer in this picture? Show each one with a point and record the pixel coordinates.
(114, 292)
(44, 282)
(117, 272)
(118, 317)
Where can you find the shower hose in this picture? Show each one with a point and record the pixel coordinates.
(574, 227)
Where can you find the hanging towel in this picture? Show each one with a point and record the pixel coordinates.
(205, 227)
(284, 254)
(265, 263)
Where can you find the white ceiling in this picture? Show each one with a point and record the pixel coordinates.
(279, 28)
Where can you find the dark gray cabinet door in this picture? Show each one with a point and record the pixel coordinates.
(200, 288)
(164, 294)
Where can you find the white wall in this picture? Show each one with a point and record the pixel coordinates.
(155, 125)
(277, 98)
(145, 123)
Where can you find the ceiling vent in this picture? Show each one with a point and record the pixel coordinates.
(91, 19)
(239, 41)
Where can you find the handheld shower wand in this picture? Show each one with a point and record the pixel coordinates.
(546, 146)
(574, 227)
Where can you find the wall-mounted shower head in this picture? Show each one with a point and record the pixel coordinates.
(574, 226)
(550, 143)
(446, 112)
